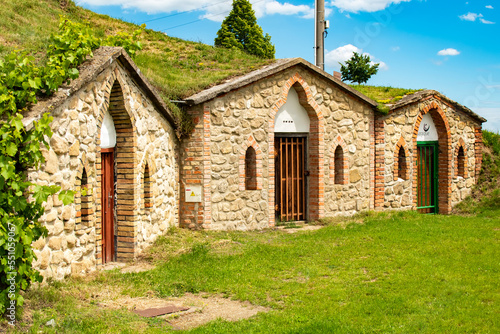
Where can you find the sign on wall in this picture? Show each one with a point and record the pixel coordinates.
(427, 130)
(193, 194)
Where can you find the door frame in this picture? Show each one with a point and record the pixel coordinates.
(277, 166)
(108, 207)
(434, 191)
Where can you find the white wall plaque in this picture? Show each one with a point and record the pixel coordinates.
(292, 117)
(193, 194)
(427, 130)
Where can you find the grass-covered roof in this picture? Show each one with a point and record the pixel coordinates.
(177, 68)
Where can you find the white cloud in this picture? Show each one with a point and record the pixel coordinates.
(473, 17)
(489, 7)
(343, 53)
(492, 115)
(448, 52)
(381, 65)
(395, 48)
(340, 54)
(211, 11)
(470, 16)
(355, 6)
(486, 22)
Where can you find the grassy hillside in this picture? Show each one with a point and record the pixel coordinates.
(486, 194)
(176, 67)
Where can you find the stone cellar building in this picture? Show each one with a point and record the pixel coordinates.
(287, 142)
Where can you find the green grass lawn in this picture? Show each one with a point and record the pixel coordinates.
(386, 272)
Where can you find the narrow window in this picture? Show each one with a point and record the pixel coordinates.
(461, 162)
(147, 190)
(339, 165)
(250, 169)
(85, 199)
(402, 168)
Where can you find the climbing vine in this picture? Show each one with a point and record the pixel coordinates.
(22, 82)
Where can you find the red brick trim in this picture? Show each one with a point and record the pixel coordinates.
(457, 169)
(379, 171)
(85, 215)
(147, 171)
(344, 164)
(478, 150)
(401, 145)
(207, 166)
(444, 163)
(372, 161)
(195, 170)
(251, 142)
(125, 160)
(315, 148)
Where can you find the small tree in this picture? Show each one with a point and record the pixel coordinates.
(240, 30)
(358, 68)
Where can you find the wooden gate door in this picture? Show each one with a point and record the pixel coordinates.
(290, 178)
(427, 177)
(108, 203)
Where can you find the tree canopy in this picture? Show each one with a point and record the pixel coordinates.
(358, 69)
(240, 30)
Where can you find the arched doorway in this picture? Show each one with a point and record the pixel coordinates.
(432, 184)
(117, 229)
(108, 143)
(291, 133)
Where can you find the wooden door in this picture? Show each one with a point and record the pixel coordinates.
(427, 177)
(290, 178)
(108, 203)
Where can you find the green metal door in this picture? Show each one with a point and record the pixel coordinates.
(427, 177)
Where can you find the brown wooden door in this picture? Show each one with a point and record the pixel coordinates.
(290, 178)
(107, 201)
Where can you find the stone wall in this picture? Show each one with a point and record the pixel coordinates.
(229, 124)
(73, 242)
(399, 130)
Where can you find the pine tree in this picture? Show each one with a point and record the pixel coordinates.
(240, 30)
(358, 68)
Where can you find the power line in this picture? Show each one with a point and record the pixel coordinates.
(186, 11)
(184, 24)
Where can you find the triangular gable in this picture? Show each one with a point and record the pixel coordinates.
(278, 66)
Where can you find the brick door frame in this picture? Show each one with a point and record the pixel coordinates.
(125, 172)
(444, 156)
(315, 150)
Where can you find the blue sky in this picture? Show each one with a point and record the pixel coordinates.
(450, 46)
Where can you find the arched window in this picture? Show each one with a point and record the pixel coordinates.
(85, 199)
(250, 169)
(339, 165)
(147, 190)
(402, 167)
(461, 162)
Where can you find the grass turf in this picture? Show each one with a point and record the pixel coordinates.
(385, 272)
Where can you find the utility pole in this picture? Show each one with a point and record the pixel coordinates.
(319, 30)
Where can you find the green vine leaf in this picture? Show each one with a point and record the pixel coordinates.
(66, 196)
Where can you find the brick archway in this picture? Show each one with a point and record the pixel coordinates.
(335, 164)
(251, 142)
(444, 156)
(405, 169)
(85, 215)
(461, 162)
(315, 148)
(125, 173)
